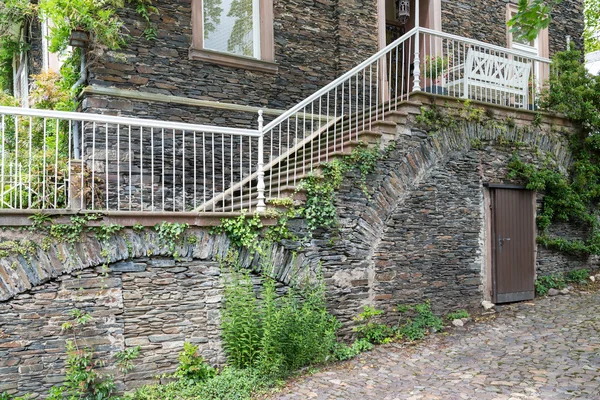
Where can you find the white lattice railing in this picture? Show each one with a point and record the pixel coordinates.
(58, 160)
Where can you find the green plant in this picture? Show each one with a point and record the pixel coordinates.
(192, 369)
(125, 358)
(278, 334)
(420, 324)
(342, 352)
(105, 232)
(369, 329)
(434, 66)
(170, 234)
(242, 231)
(240, 319)
(579, 276)
(458, 314)
(547, 282)
(571, 197)
(82, 381)
(138, 227)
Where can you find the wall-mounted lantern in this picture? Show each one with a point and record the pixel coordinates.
(402, 11)
(79, 38)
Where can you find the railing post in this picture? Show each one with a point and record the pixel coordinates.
(417, 62)
(260, 187)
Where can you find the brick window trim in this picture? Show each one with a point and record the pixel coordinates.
(267, 44)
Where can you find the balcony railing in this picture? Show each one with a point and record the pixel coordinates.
(54, 160)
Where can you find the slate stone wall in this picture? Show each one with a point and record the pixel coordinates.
(418, 235)
(137, 294)
(486, 21)
(315, 42)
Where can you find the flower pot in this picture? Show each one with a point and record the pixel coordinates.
(436, 90)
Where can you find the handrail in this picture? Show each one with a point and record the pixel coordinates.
(147, 123)
(339, 80)
(483, 44)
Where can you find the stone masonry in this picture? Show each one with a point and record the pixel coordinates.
(486, 21)
(419, 235)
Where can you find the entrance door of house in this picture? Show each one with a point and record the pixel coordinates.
(513, 244)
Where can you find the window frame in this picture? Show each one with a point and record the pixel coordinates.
(266, 62)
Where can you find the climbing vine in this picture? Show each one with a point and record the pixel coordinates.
(571, 197)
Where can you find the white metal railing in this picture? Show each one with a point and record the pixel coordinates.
(350, 104)
(58, 160)
(421, 60)
(469, 69)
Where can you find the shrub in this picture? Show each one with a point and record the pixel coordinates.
(276, 335)
(233, 384)
(545, 283)
(369, 329)
(579, 276)
(423, 321)
(342, 352)
(192, 369)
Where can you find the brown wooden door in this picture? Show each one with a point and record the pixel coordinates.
(513, 247)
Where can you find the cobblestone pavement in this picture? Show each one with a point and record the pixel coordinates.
(549, 349)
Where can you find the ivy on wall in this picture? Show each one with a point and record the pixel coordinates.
(573, 198)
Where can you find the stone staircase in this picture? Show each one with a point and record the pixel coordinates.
(284, 174)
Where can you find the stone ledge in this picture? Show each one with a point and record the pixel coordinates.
(125, 218)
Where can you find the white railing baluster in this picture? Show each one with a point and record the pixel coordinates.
(260, 187)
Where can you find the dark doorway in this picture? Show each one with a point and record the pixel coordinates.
(513, 244)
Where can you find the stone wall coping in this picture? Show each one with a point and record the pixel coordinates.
(126, 218)
(523, 114)
(187, 101)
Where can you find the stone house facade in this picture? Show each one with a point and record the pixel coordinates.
(304, 46)
(420, 235)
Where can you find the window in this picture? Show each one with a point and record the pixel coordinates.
(536, 47)
(236, 33)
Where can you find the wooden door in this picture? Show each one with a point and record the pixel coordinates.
(513, 246)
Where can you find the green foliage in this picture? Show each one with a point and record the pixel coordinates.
(278, 334)
(531, 17)
(82, 381)
(240, 320)
(591, 13)
(97, 17)
(171, 234)
(458, 314)
(229, 384)
(319, 209)
(545, 283)
(420, 324)
(192, 369)
(574, 197)
(579, 276)
(233, 384)
(242, 231)
(125, 358)
(370, 330)
(434, 66)
(342, 352)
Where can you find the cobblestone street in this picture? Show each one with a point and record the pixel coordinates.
(547, 349)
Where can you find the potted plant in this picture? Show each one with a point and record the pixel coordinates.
(433, 68)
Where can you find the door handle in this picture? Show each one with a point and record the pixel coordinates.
(502, 240)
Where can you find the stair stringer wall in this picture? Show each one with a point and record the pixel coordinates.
(439, 168)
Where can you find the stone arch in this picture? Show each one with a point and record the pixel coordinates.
(411, 165)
